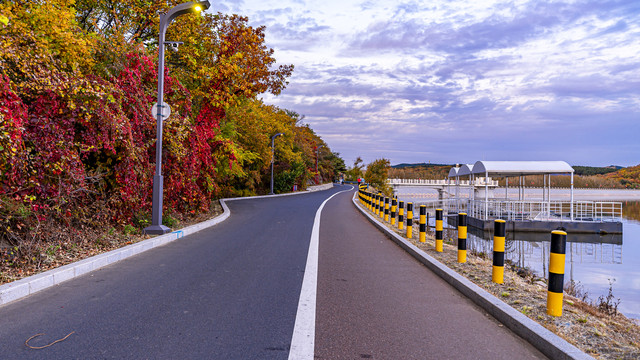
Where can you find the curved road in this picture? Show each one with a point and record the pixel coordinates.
(232, 292)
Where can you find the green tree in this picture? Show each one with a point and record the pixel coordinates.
(377, 174)
(356, 171)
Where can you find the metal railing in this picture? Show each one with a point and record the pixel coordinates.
(478, 182)
(545, 210)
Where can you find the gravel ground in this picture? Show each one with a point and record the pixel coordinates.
(86, 243)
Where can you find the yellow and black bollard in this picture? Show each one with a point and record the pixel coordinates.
(382, 200)
(394, 208)
(377, 211)
(499, 233)
(439, 231)
(369, 200)
(386, 209)
(423, 224)
(401, 216)
(556, 272)
(409, 220)
(462, 238)
(373, 203)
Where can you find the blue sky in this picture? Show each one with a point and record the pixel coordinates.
(461, 81)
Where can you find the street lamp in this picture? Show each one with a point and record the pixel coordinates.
(273, 155)
(156, 227)
(317, 155)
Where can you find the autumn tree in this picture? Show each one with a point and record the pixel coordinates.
(377, 175)
(356, 171)
(77, 139)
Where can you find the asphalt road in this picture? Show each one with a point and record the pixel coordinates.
(374, 301)
(232, 291)
(228, 292)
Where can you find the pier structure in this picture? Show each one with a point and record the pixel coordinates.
(446, 187)
(527, 215)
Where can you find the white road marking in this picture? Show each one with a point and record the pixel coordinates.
(304, 330)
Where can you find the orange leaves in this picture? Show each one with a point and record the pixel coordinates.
(230, 55)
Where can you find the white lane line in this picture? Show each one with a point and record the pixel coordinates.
(304, 330)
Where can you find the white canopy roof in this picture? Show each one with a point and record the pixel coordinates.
(465, 170)
(454, 171)
(521, 168)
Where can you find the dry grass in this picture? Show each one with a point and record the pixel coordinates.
(65, 248)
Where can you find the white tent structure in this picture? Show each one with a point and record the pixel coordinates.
(456, 172)
(530, 215)
(520, 169)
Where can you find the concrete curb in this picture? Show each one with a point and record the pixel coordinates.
(320, 187)
(30, 285)
(537, 335)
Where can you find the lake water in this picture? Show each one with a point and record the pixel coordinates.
(592, 261)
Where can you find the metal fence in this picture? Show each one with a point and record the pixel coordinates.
(545, 210)
(527, 210)
(448, 182)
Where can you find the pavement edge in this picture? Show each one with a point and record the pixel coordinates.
(537, 335)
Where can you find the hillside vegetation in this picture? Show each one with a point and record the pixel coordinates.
(585, 176)
(628, 177)
(419, 171)
(77, 138)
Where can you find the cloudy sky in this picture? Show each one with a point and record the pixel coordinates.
(461, 81)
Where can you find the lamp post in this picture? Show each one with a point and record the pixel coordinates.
(156, 227)
(273, 155)
(317, 156)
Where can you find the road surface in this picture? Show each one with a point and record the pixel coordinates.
(233, 291)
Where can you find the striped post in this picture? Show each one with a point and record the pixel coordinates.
(374, 202)
(462, 237)
(380, 205)
(401, 216)
(439, 231)
(386, 209)
(383, 203)
(499, 232)
(377, 211)
(423, 223)
(394, 208)
(369, 200)
(556, 272)
(409, 220)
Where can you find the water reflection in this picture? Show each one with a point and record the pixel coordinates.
(592, 260)
(631, 210)
(531, 250)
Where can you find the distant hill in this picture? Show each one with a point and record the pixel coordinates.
(591, 170)
(587, 176)
(419, 171)
(404, 165)
(628, 177)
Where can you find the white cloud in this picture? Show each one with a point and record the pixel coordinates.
(450, 76)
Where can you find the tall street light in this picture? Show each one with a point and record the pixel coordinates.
(156, 227)
(317, 156)
(273, 155)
